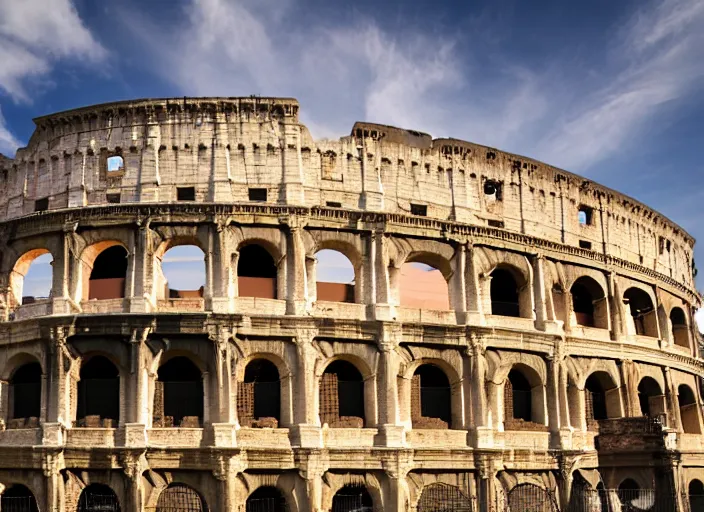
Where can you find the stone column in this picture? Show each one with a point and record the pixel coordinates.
(134, 466)
(296, 285)
(541, 311)
(630, 388)
(482, 432)
(216, 292)
(391, 431)
(615, 307)
(138, 402)
(672, 398)
(306, 428)
(458, 290)
(226, 474)
(141, 297)
(51, 467)
(473, 289)
(487, 465)
(383, 301)
(149, 174)
(397, 495)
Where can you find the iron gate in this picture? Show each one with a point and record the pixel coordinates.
(18, 504)
(445, 498)
(92, 502)
(180, 498)
(531, 498)
(267, 505)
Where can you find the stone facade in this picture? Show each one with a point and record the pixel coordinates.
(567, 357)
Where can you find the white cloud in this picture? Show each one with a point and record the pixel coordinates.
(8, 142)
(34, 34)
(699, 319)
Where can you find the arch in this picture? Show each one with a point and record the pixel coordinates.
(108, 271)
(632, 497)
(18, 498)
(651, 398)
(689, 412)
(26, 392)
(259, 395)
(524, 398)
(342, 395)
(441, 497)
(642, 311)
(178, 394)
(508, 292)
(695, 492)
(431, 397)
(532, 497)
(680, 330)
(589, 303)
(256, 271)
(334, 276)
(352, 498)
(178, 497)
(422, 284)
(98, 394)
(181, 272)
(601, 397)
(266, 499)
(98, 498)
(32, 276)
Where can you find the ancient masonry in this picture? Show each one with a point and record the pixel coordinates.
(554, 365)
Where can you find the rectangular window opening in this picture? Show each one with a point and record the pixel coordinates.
(333, 204)
(41, 205)
(419, 209)
(585, 245)
(257, 194)
(186, 193)
(495, 223)
(113, 198)
(585, 215)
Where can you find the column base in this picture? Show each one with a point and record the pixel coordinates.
(224, 435)
(306, 436)
(481, 437)
(218, 305)
(135, 435)
(562, 439)
(391, 436)
(296, 307)
(385, 313)
(53, 434)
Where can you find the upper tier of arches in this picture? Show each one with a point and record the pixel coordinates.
(376, 168)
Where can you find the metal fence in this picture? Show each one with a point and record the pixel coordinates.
(531, 498)
(446, 498)
(622, 500)
(18, 504)
(180, 498)
(92, 502)
(352, 499)
(267, 505)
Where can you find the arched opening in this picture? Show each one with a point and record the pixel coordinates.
(431, 405)
(259, 395)
(107, 279)
(32, 277)
(18, 498)
(696, 495)
(266, 499)
(98, 394)
(518, 397)
(183, 269)
(680, 331)
(342, 396)
(178, 394)
(179, 497)
(689, 412)
(423, 286)
(595, 398)
(98, 498)
(441, 497)
(642, 312)
(532, 497)
(505, 300)
(632, 497)
(589, 303)
(26, 396)
(335, 277)
(352, 498)
(256, 272)
(650, 397)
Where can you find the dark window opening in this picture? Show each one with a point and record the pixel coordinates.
(41, 205)
(179, 497)
(642, 311)
(688, 410)
(98, 394)
(628, 492)
(495, 223)
(257, 194)
(504, 294)
(256, 272)
(113, 198)
(266, 499)
(333, 204)
(419, 209)
(584, 215)
(186, 193)
(583, 244)
(352, 498)
(107, 279)
(518, 397)
(18, 498)
(595, 399)
(680, 332)
(178, 397)
(493, 188)
(696, 495)
(342, 396)
(648, 389)
(583, 302)
(98, 498)
(259, 395)
(26, 392)
(431, 398)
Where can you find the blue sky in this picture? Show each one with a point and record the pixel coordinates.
(610, 90)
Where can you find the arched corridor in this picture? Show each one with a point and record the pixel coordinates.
(178, 394)
(107, 278)
(431, 398)
(352, 498)
(266, 499)
(259, 395)
(98, 498)
(18, 498)
(98, 394)
(256, 272)
(26, 392)
(342, 395)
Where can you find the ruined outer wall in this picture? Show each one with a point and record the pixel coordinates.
(224, 146)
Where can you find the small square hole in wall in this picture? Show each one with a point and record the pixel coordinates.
(257, 194)
(115, 163)
(419, 209)
(492, 189)
(585, 245)
(186, 193)
(113, 198)
(495, 223)
(41, 205)
(584, 215)
(333, 204)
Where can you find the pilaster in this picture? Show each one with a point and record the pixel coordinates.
(391, 431)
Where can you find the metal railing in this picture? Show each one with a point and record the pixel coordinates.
(18, 504)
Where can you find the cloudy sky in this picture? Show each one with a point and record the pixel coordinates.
(610, 90)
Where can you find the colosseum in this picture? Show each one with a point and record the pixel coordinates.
(514, 338)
